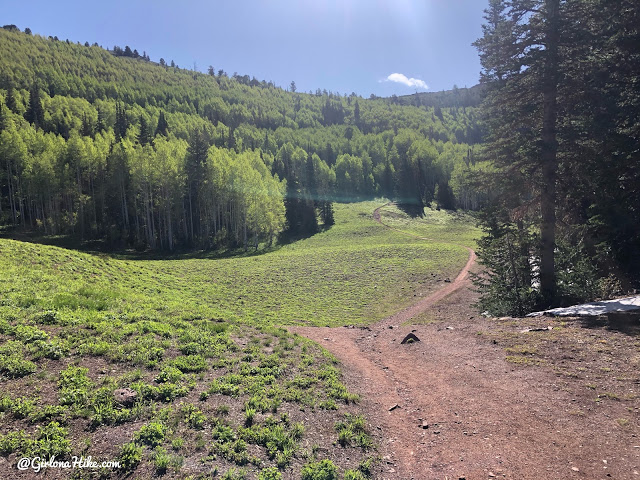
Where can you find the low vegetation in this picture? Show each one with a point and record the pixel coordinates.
(219, 387)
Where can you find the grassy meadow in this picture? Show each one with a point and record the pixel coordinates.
(452, 227)
(220, 387)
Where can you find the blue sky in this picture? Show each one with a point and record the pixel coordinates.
(383, 47)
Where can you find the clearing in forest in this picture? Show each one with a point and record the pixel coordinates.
(175, 367)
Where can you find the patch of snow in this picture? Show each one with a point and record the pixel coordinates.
(593, 309)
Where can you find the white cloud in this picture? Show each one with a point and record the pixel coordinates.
(409, 82)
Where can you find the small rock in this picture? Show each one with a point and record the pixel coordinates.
(125, 396)
(450, 328)
(410, 338)
(446, 280)
(393, 407)
(492, 475)
(575, 469)
(326, 338)
(390, 327)
(424, 425)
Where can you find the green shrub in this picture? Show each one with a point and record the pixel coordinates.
(49, 317)
(54, 349)
(28, 334)
(353, 432)
(233, 474)
(152, 434)
(169, 374)
(271, 473)
(194, 417)
(14, 442)
(74, 385)
(190, 363)
(322, 470)
(130, 455)
(15, 366)
(161, 460)
(51, 441)
(249, 415)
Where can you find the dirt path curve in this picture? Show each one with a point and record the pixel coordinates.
(427, 302)
(461, 411)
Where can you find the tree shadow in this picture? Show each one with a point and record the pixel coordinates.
(103, 247)
(623, 322)
(412, 209)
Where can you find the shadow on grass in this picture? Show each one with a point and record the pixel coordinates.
(102, 247)
(623, 322)
(414, 210)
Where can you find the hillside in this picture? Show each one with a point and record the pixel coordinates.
(454, 98)
(101, 145)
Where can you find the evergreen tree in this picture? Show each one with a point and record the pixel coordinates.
(144, 135)
(196, 160)
(163, 126)
(356, 114)
(562, 123)
(86, 130)
(35, 112)
(10, 100)
(122, 123)
(3, 120)
(101, 125)
(520, 57)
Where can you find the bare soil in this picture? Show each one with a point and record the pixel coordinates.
(480, 398)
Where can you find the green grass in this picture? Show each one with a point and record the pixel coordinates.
(217, 383)
(445, 226)
(356, 272)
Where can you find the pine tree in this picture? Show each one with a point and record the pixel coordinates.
(86, 130)
(122, 123)
(35, 112)
(356, 114)
(520, 57)
(163, 126)
(199, 144)
(10, 100)
(144, 136)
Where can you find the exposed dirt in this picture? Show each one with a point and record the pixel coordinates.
(478, 398)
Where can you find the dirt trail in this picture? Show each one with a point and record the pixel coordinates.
(461, 410)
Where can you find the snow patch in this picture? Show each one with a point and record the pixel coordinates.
(593, 309)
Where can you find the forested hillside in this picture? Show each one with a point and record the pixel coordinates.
(456, 97)
(105, 144)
